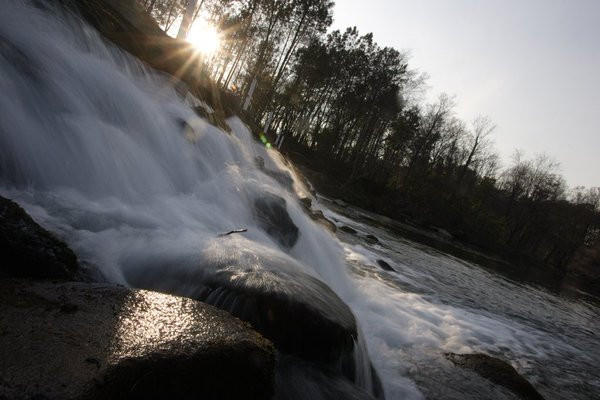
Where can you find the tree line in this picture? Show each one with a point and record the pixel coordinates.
(351, 109)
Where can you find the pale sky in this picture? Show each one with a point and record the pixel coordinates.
(532, 66)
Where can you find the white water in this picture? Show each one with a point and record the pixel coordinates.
(93, 147)
(434, 303)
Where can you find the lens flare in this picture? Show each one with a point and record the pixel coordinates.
(205, 37)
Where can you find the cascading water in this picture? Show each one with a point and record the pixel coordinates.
(104, 152)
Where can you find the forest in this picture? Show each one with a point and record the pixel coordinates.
(353, 111)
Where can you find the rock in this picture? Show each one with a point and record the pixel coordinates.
(118, 343)
(320, 218)
(300, 314)
(347, 229)
(372, 239)
(299, 380)
(340, 203)
(30, 251)
(498, 371)
(271, 213)
(384, 265)
(306, 202)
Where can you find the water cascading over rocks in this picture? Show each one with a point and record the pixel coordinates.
(92, 146)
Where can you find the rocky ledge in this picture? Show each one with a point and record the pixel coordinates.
(84, 341)
(30, 251)
(498, 371)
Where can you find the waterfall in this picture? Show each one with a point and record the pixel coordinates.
(104, 152)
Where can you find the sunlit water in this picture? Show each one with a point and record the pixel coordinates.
(105, 153)
(434, 303)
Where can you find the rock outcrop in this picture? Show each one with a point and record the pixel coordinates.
(30, 251)
(271, 214)
(498, 371)
(300, 314)
(83, 341)
(384, 265)
(347, 229)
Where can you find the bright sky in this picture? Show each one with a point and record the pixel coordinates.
(532, 66)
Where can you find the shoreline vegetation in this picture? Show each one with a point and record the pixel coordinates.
(349, 113)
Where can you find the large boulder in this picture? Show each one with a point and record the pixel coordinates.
(270, 211)
(30, 251)
(300, 314)
(83, 341)
(498, 371)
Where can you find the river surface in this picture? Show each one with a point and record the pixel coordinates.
(105, 153)
(434, 303)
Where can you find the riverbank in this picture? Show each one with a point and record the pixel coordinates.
(509, 265)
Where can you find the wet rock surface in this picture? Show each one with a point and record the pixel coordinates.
(30, 251)
(384, 265)
(75, 340)
(300, 314)
(347, 229)
(271, 214)
(371, 239)
(318, 216)
(498, 371)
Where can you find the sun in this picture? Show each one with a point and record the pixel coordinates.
(205, 37)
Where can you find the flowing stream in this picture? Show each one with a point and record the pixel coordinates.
(105, 153)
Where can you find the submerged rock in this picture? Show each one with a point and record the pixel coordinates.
(320, 218)
(30, 251)
(372, 239)
(75, 340)
(384, 265)
(347, 229)
(498, 371)
(271, 214)
(306, 202)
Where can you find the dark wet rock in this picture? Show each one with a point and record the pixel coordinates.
(372, 239)
(118, 343)
(300, 380)
(347, 229)
(498, 371)
(377, 389)
(320, 218)
(384, 265)
(340, 203)
(300, 314)
(271, 213)
(306, 202)
(30, 251)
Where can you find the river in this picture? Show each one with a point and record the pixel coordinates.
(434, 303)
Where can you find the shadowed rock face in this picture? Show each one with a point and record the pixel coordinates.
(497, 371)
(300, 380)
(384, 265)
(271, 214)
(30, 251)
(349, 230)
(75, 340)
